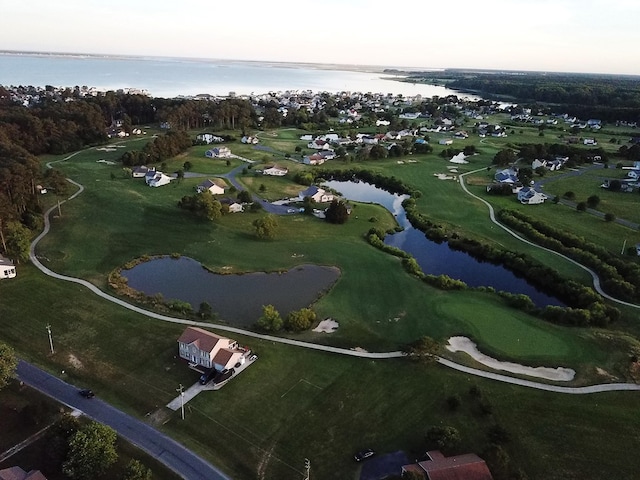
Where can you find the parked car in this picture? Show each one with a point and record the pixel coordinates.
(86, 393)
(225, 374)
(206, 377)
(364, 454)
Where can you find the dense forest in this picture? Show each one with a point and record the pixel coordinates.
(49, 121)
(606, 97)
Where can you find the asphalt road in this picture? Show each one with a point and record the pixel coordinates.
(178, 458)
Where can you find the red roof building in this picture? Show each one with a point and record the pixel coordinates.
(459, 467)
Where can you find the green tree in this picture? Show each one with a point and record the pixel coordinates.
(244, 196)
(504, 157)
(593, 201)
(136, 470)
(205, 310)
(92, 450)
(443, 438)
(300, 320)
(266, 226)
(609, 217)
(18, 239)
(581, 206)
(337, 212)
(270, 321)
(187, 166)
(8, 363)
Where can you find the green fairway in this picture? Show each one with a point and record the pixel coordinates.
(294, 403)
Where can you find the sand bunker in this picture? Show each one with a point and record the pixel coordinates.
(327, 326)
(444, 176)
(459, 158)
(463, 344)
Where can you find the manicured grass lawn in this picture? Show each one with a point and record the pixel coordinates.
(293, 403)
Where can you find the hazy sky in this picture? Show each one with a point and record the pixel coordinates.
(561, 35)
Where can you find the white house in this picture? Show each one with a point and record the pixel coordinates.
(233, 205)
(538, 163)
(215, 186)
(250, 140)
(275, 171)
(315, 159)
(202, 348)
(590, 141)
(7, 268)
(306, 138)
(317, 194)
(218, 152)
(319, 144)
(158, 179)
(141, 171)
(208, 138)
(530, 196)
(382, 123)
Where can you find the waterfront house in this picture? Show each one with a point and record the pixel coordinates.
(208, 138)
(17, 473)
(508, 175)
(317, 194)
(7, 268)
(205, 349)
(315, 159)
(216, 186)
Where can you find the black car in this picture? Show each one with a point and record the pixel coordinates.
(87, 393)
(224, 375)
(206, 377)
(364, 454)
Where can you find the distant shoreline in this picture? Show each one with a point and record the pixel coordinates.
(265, 63)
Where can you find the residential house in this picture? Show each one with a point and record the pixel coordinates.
(634, 174)
(7, 268)
(445, 141)
(382, 123)
(306, 138)
(459, 467)
(216, 186)
(233, 205)
(17, 473)
(250, 140)
(218, 152)
(317, 194)
(319, 144)
(275, 171)
(538, 163)
(638, 249)
(158, 179)
(208, 138)
(508, 175)
(315, 159)
(590, 141)
(141, 170)
(369, 140)
(409, 115)
(530, 196)
(205, 349)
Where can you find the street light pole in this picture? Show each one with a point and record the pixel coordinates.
(181, 390)
(50, 338)
(307, 468)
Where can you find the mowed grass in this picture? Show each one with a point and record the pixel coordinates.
(294, 404)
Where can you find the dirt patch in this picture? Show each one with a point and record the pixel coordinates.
(603, 373)
(75, 362)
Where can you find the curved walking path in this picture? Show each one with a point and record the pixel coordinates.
(596, 279)
(313, 346)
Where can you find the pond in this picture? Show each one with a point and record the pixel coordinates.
(236, 298)
(437, 258)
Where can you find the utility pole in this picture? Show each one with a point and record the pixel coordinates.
(50, 338)
(624, 244)
(307, 469)
(181, 390)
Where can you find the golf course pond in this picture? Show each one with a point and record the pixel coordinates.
(236, 298)
(437, 258)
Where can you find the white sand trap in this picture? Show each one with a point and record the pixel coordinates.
(459, 158)
(327, 325)
(443, 176)
(463, 344)
(106, 162)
